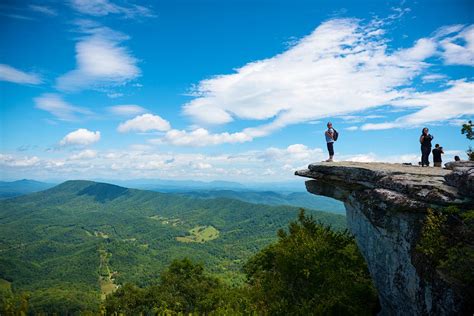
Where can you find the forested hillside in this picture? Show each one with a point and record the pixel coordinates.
(298, 199)
(67, 244)
(310, 270)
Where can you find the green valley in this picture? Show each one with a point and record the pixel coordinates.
(71, 244)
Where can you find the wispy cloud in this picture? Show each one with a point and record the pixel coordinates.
(84, 155)
(17, 16)
(43, 9)
(341, 68)
(433, 78)
(452, 103)
(101, 60)
(105, 7)
(458, 47)
(358, 74)
(54, 104)
(10, 74)
(126, 110)
(201, 137)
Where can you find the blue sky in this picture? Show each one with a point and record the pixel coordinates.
(230, 90)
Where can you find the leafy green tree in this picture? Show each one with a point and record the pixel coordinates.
(467, 129)
(128, 300)
(311, 270)
(446, 248)
(186, 288)
(10, 303)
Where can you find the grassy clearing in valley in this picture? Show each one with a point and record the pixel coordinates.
(200, 234)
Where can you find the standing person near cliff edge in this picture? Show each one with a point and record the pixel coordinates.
(437, 152)
(425, 141)
(331, 136)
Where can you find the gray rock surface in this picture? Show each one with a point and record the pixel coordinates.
(386, 205)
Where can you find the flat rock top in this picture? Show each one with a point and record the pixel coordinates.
(424, 184)
(382, 167)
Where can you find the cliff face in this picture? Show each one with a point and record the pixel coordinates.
(386, 206)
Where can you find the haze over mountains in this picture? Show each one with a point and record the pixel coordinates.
(285, 193)
(20, 187)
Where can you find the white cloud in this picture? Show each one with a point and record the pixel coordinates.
(17, 16)
(201, 137)
(81, 137)
(10, 74)
(145, 123)
(43, 9)
(433, 78)
(139, 162)
(101, 60)
(126, 109)
(458, 49)
(452, 103)
(144, 162)
(105, 7)
(372, 157)
(359, 118)
(352, 128)
(54, 104)
(335, 70)
(378, 126)
(114, 95)
(83, 155)
(342, 67)
(23, 161)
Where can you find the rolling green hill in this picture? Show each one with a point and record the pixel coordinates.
(82, 238)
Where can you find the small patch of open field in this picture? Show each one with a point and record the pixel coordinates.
(200, 234)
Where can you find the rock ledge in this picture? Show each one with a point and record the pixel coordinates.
(386, 206)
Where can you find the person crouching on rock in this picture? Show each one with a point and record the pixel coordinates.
(330, 141)
(425, 141)
(437, 151)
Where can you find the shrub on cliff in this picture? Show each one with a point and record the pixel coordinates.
(446, 248)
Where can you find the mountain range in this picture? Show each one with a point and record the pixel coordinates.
(82, 238)
(280, 194)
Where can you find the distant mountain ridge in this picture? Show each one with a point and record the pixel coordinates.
(19, 187)
(298, 199)
(162, 185)
(214, 189)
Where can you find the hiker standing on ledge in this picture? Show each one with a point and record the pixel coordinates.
(331, 136)
(425, 141)
(437, 152)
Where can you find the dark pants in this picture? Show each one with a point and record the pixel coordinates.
(425, 154)
(331, 149)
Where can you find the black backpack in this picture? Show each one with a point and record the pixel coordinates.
(335, 135)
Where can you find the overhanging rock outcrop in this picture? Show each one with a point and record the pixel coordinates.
(386, 206)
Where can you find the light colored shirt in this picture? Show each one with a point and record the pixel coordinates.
(329, 139)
